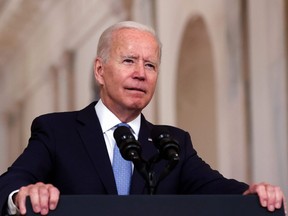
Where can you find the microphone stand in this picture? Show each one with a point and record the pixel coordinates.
(146, 168)
(149, 176)
(152, 181)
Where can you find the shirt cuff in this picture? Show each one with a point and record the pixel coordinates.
(12, 208)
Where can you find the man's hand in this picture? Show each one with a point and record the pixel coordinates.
(270, 196)
(44, 197)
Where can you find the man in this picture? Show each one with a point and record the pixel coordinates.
(71, 153)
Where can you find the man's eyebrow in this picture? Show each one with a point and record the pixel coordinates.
(152, 61)
(135, 57)
(130, 56)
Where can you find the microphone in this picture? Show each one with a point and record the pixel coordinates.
(168, 147)
(129, 147)
(130, 150)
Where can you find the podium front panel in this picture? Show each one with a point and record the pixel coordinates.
(160, 205)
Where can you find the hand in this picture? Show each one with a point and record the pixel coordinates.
(270, 196)
(44, 197)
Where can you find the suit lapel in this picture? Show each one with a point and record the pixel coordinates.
(91, 133)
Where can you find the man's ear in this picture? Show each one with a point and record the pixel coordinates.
(98, 70)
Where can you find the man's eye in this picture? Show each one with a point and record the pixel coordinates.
(130, 61)
(150, 66)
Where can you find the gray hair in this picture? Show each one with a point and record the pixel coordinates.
(104, 44)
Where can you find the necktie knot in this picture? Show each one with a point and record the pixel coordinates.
(122, 124)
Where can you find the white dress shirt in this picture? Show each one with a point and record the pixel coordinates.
(108, 121)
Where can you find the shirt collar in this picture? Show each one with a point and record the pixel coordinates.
(108, 120)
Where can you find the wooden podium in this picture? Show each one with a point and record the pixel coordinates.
(160, 205)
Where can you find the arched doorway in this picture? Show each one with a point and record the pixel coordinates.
(196, 108)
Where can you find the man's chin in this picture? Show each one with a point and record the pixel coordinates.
(137, 105)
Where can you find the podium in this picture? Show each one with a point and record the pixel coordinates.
(160, 205)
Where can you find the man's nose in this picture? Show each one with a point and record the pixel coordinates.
(139, 71)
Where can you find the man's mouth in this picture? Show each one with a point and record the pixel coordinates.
(136, 89)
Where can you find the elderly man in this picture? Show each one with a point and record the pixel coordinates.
(72, 152)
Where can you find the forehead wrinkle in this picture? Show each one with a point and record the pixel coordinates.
(131, 56)
(121, 39)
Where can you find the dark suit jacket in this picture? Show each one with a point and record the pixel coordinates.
(69, 151)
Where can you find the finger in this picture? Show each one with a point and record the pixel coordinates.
(260, 189)
(285, 205)
(279, 197)
(20, 200)
(54, 197)
(43, 199)
(34, 197)
(271, 197)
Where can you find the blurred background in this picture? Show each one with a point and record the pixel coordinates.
(223, 74)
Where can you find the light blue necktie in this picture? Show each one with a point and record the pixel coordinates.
(122, 169)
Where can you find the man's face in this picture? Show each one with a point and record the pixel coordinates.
(129, 76)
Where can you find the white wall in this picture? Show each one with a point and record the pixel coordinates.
(172, 17)
(268, 92)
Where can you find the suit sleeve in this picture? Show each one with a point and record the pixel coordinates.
(198, 177)
(32, 166)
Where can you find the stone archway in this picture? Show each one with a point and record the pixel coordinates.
(196, 108)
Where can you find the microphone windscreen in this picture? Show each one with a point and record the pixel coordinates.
(158, 132)
(120, 131)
